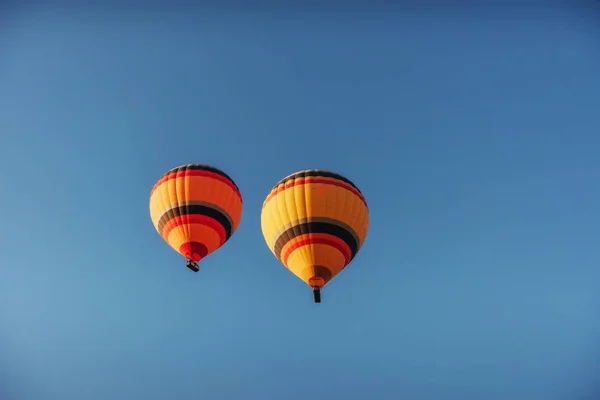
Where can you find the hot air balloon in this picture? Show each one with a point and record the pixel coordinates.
(195, 208)
(315, 221)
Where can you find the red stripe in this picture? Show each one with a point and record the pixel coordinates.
(196, 172)
(298, 182)
(313, 239)
(194, 219)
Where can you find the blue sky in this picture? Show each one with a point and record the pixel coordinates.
(473, 135)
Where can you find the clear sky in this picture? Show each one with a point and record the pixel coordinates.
(474, 135)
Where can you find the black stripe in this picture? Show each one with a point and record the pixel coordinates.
(202, 167)
(317, 173)
(195, 209)
(316, 227)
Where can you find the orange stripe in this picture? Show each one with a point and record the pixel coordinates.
(194, 233)
(196, 172)
(194, 219)
(316, 238)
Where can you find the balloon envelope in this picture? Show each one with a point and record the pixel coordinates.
(195, 208)
(315, 222)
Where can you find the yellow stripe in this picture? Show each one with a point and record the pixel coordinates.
(281, 186)
(318, 254)
(314, 200)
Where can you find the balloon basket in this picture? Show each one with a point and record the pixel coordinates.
(192, 265)
(317, 294)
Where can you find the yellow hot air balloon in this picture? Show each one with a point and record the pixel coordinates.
(315, 221)
(195, 208)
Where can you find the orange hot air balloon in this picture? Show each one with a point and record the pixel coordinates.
(195, 208)
(315, 222)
